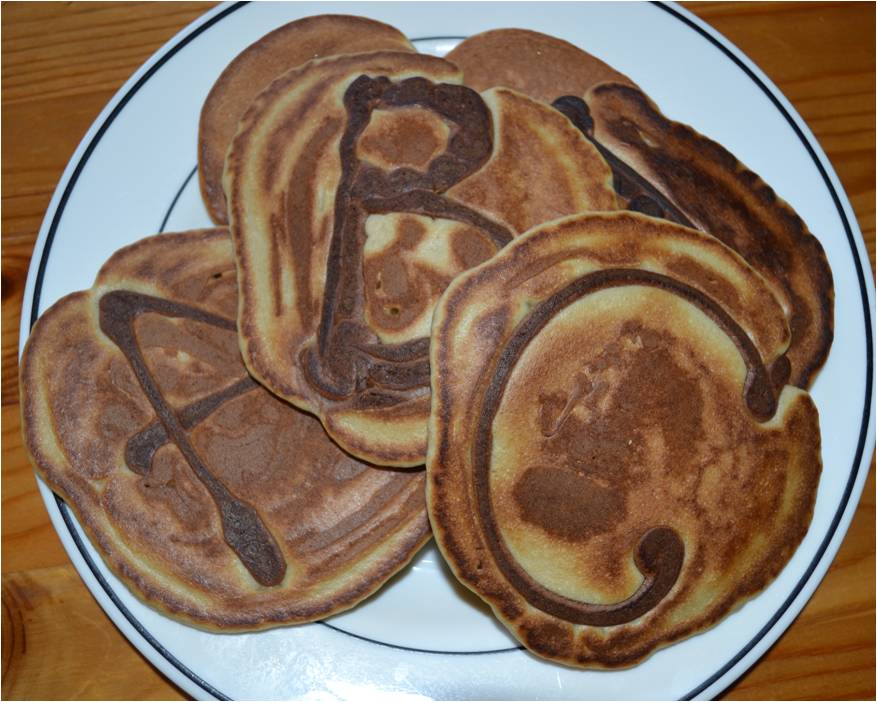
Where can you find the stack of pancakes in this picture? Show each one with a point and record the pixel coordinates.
(593, 325)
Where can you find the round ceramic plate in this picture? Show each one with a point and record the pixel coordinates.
(423, 636)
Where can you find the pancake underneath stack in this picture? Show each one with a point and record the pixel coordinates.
(213, 500)
(667, 169)
(697, 182)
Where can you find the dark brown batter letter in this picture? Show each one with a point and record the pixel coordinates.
(347, 360)
(638, 193)
(242, 527)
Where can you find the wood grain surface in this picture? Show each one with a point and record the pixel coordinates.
(62, 62)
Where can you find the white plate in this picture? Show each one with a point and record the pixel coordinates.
(422, 636)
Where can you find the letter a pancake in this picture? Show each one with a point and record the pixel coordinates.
(693, 180)
(359, 186)
(256, 66)
(213, 500)
(615, 462)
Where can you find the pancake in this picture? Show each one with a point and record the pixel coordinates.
(615, 459)
(665, 168)
(538, 65)
(214, 501)
(359, 186)
(256, 66)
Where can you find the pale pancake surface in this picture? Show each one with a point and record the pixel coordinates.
(212, 499)
(615, 460)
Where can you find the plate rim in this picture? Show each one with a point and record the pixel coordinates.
(807, 581)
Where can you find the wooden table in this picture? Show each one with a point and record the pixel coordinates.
(62, 62)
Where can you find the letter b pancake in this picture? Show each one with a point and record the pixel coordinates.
(358, 187)
(615, 459)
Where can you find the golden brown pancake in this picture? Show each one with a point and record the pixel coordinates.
(256, 66)
(359, 186)
(667, 169)
(213, 500)
(538, 65)
(615, 460)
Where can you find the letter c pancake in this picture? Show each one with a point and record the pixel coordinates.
(615, 459)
